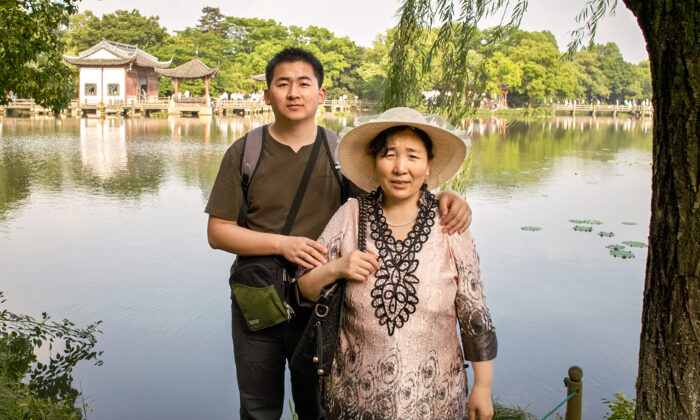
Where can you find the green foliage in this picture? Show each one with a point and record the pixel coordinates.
(31, 49)
(437, 41)
(459, 182)
(21, 337)
(86, 30)
(436, 46)
(243, 46)
(18, 402)
(458, 48)
(620, 408)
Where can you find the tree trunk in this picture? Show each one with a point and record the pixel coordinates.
(668, 385)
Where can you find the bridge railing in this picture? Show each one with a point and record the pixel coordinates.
(602, 108)
(21, 103)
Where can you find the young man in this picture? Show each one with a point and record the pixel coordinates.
(294, 91)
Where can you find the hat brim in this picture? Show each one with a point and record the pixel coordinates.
(449, 152)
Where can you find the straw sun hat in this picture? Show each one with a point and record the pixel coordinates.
(449, 146)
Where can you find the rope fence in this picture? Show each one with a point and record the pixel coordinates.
(573, 400)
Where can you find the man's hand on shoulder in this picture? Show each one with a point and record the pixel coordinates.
(302, 251)
(455, 211)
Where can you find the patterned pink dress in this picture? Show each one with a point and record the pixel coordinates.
(399, 355)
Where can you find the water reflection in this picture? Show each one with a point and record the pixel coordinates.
(103, 146)
(522, 153)
(132, 157)
(104, 220)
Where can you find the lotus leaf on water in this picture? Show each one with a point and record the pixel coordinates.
(621, 254)
(579, 228)
(635, 244)
(586, 222)
(606, 234)
(615, 247)
(629, 223)
(531, 228)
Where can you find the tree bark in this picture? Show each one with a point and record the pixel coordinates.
(668, 383)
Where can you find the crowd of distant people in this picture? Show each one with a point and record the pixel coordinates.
(242, 96)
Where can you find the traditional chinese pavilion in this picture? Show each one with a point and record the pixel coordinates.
(193, 69)
(112, 71)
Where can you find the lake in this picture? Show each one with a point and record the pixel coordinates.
(103, 220)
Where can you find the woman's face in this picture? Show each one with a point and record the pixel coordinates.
(401, 169)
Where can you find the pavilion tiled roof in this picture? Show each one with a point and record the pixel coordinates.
(125, 54)
(193, 69)
(258, 77)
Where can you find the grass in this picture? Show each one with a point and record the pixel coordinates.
(17, 400)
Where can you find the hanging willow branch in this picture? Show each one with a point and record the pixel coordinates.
(459, 50)
(592, 13)
(453, 50)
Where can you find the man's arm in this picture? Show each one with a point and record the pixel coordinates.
(227, 236)
(455, 211)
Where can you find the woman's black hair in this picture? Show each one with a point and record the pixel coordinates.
(378, 144)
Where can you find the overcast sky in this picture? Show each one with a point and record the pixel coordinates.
(362, 20)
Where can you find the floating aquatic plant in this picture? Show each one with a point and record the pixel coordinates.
(629, 223)
(621, 254)
(606, 234)
(635, 244)
(531, 228)
(586, 222)
(616, 247)
(580, 228)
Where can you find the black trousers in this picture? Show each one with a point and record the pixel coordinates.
(260, 358)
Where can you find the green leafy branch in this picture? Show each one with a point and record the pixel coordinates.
(22, 336)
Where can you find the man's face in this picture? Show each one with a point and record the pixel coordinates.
(294, 94)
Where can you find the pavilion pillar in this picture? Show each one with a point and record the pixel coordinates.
(206, 88)
(175, 81)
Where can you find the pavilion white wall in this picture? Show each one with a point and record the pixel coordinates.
(90, 75)
(114, 76)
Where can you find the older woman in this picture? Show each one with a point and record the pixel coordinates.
(399, 354)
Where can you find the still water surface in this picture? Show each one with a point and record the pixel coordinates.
(103, 220)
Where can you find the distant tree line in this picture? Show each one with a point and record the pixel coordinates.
(523, 69)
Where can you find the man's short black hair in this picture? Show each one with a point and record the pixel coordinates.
(292, 55)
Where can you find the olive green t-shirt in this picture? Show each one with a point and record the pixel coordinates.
(273, 187)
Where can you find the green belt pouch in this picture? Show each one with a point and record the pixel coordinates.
(259, 286)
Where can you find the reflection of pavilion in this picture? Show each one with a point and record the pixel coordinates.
(103, 146)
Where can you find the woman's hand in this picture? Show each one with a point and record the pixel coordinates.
(357, 265)
(479, 404)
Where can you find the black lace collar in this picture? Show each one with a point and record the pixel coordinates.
(394, 295)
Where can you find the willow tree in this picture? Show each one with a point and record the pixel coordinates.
(668, 383)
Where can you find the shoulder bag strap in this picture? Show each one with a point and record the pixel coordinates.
(331, 145)
(302, 186)
(252, 153)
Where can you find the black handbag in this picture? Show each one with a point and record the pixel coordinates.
(318, 343)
